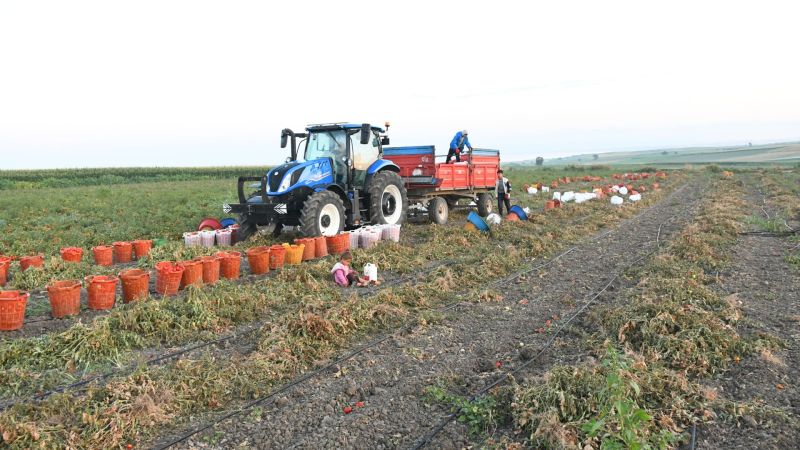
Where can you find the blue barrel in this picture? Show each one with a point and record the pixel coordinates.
(226, 222)
(475, 219)
(519, 212)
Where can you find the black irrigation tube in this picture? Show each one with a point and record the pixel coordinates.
(407, 325)
(770, 233)
(170, 355)
(129, 368)
(310, 375)
(426, 439)
(763, 233)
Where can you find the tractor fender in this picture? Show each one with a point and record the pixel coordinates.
(338, 190)
(379, 166)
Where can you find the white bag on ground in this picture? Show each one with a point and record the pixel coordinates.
(532, 190)
(493, 219)
(623, 190)
(635, 197)
(545, 188)
(567, 197)
(556, 195)
(616, 200)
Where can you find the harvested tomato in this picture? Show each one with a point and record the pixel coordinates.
(348, 409)
(359, 404)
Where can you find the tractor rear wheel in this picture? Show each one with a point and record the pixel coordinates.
(322, 215)
(388, 201)
(484, 204)
(438, 211)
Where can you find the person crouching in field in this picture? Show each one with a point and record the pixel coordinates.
(344, 275)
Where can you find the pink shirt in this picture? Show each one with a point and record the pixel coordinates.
(340, 272)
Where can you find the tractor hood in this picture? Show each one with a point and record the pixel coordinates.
(294, 174)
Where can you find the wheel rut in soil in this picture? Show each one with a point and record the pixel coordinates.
(463, 348)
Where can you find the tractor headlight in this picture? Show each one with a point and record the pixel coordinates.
(290, 179)
(287, 181)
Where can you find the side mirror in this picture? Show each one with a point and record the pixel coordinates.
(385, 140)
(284, 137)
(365, 132)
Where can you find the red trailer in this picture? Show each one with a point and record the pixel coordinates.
(439, 186)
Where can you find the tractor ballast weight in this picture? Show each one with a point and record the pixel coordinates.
(341, 182)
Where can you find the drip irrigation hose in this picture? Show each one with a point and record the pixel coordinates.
(149, 362)
(172, 355)
(316, 372)
(404, 327)
(386, 336)
(426, 439)
(769, 233)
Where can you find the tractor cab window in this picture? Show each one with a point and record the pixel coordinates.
(364, 154)
(326, 144)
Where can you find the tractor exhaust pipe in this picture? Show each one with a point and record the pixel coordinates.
(285, 133)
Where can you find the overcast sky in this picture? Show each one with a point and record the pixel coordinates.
(166, 83)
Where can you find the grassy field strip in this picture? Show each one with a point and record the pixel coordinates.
(102, 212)
(441, 242)
(654, 346)
(675, 329)
(293, 344)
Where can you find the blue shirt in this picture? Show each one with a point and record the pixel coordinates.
(457, 141)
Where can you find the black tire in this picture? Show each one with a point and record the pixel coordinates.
(452, 202)
(246, 229)
(319, 215)
(438, 210)
(384, 190)
(484, 204)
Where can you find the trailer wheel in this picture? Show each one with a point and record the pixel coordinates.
(322, 215)
(438, 211)
(484, 204)
(388, 201)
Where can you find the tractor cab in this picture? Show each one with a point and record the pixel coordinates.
(329, 181)
(350, 148)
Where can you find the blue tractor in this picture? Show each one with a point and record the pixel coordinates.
(341, 181)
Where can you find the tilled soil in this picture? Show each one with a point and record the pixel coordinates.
(769, 291)
(469, 347)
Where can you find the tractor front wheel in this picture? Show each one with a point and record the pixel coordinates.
(246, 229)
(388, 201)
(322, 214)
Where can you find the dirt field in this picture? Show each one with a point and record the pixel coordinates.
(460, 345)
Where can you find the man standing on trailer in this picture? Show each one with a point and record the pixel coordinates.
(457, 146)
(503, 191)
